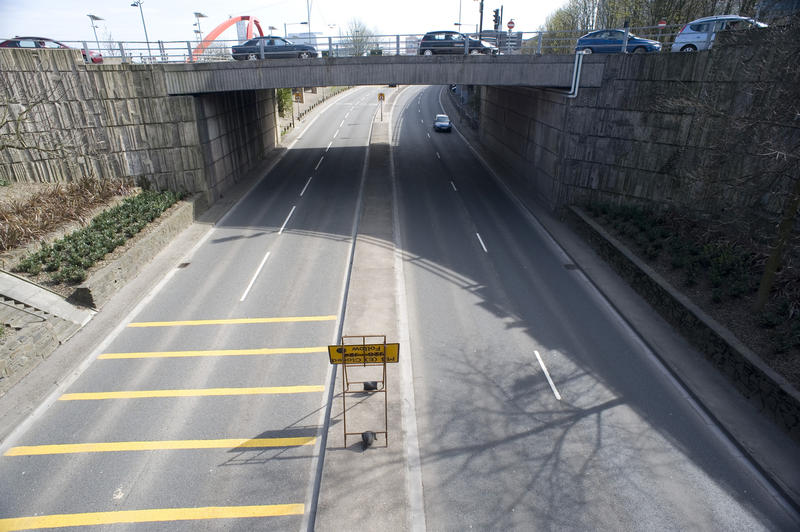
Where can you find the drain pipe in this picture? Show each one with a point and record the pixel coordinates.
(576, 76)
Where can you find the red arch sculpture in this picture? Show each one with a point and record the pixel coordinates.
(216, 32)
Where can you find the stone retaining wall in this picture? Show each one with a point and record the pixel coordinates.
(754, 379)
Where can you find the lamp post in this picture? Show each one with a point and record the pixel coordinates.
(138, 4)
(92, 20)
(285, 34)
(197, 17)
(308, 16)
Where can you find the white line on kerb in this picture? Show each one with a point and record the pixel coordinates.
(481, 241)
(319, 162)
(305, 187)
(286, 221)
(253, 280)
(454, 186)
(547, 374)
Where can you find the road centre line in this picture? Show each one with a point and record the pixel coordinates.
(309, 181)
(149, 516)
(481, 241)
(429, 135)
(320, 161)
(231, 321)
(438, 156)
(163, 445)
(286, 221)
(547, 374)
(334, 136)
(421, 121)
(258, 270)
(206, 392)
(329, 146)
(454, 186)
(341, 123)
(215, 353)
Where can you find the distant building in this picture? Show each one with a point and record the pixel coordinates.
(304, 38)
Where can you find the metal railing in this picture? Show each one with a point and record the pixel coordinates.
(508, 43)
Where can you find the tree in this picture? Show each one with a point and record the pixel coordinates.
(359, 38)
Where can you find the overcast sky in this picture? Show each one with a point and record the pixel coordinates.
(172, 20)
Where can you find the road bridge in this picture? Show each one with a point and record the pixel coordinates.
(554, 71)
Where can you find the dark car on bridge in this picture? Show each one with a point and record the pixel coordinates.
(452, 42)
(272, 47)
(610, 41)
(29, 43)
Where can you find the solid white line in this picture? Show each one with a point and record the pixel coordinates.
(454, 186)
(329, 146)
(305, 187)
(253, 280)
(337, 132)
(481, 241)
(319, 163)
(287, 220)
(341, 124)
(547, 374)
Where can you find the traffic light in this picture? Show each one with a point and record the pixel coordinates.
(496, 19)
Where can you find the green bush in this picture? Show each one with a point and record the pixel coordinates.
(68, 258)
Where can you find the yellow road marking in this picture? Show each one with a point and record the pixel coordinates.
(231, 321)
(165, 445)
(216, 352)
(148, 516)
(140, 394)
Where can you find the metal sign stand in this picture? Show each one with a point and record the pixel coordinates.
(366, 386)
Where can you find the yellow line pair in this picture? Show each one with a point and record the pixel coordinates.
(231, 321)
(149, 516)
(142, 394)
(164, 445)
(216, 352)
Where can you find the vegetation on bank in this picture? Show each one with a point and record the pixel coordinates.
(25, 221)
(727, 268)
(68, 259)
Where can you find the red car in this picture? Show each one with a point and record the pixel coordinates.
(43, 42)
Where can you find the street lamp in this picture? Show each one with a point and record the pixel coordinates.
(197, 17)
(285, 34)
(138, 4)
(92, 20)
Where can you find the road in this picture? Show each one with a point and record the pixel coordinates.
(226, 415)
(537, 408)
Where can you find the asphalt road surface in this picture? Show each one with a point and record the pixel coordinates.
(226, 413)
(537, 408)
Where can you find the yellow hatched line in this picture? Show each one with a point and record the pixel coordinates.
(216, 352)
(149, 516)
(231, 321)
(165, 445)
(141, 394)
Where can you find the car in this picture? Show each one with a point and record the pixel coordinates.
(442, 123)
(452, 42)
(43, 42)
(610, 41)
(273, 47)
(699, 34)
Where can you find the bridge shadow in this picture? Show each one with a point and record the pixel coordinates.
(494, 421)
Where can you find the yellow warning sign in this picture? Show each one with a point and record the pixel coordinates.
(363, 354)
(381, 96)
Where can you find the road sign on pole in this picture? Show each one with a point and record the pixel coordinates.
(511, 24)
(662, 24)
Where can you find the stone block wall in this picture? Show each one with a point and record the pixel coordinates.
(118, 121)
(649, 133)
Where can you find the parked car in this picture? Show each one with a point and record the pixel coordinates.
(610, 41)
(700, 34)
(274, 47)
(44, 42)
(452, 42)
(442, 123)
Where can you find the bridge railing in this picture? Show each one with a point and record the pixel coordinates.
(508, 43)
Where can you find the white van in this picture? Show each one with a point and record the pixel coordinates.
(699, 34)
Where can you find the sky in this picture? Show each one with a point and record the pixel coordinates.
(172, 20)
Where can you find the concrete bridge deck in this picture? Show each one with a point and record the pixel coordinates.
(553, 71)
